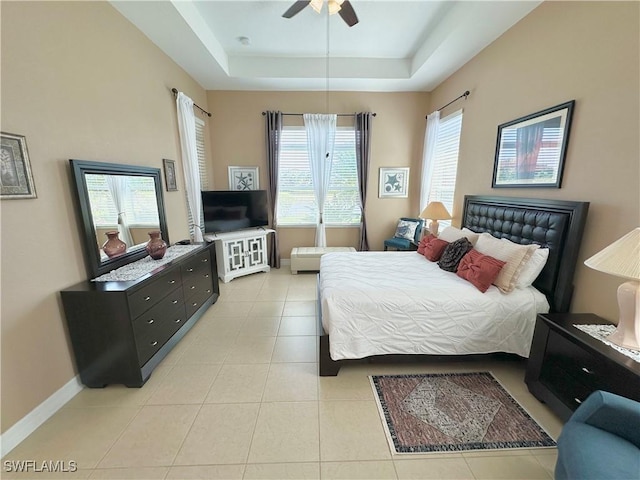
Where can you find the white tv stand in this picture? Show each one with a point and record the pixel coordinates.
(241, 252)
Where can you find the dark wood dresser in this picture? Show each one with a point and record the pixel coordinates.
(566, 364)
(120, 331)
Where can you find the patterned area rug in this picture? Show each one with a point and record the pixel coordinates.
(453, 412)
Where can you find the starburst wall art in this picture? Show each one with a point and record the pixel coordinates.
(394, 182)
(243, 178)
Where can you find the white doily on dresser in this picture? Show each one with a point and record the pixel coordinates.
(143, 266)
(600, 332)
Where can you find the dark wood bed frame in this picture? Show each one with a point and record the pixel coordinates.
(554, 224)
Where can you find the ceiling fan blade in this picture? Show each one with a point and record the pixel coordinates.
(296, 8)
(348, 14)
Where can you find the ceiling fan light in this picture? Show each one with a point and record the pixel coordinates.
(316, 5)
(334, 6)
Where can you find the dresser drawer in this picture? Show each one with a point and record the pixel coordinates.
(155, 317)
(150, 337)
(566, 361)
(147, 296)
(195, 301)
(197, 265)
(567, 388)
(198, 283)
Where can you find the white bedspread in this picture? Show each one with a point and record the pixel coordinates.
(376, 303)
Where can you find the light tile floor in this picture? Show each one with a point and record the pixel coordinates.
(239, 397)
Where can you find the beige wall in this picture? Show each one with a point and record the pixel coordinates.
(587, 51)
(79, 81)
(237, 137)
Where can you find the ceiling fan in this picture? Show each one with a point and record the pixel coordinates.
(343, 7)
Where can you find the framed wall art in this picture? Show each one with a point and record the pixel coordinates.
(16, 180)
(394, 182)
(530, 151)
(170, 175)
(243, 178)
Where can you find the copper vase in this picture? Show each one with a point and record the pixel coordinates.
(156, 247)
(113, 246)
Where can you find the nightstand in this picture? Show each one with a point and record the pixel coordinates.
(566, 364)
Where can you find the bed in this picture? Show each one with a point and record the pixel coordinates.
(373, 304)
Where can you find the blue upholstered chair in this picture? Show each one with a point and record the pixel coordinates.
(601, 440)
(401, 243)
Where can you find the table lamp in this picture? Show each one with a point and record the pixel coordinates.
(622, 259)
(435, 211)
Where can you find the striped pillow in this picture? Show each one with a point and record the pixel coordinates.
(514, 255)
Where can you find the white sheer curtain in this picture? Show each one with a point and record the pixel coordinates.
(119, 188)
(428, 154)
(321, 138)
(187, 129)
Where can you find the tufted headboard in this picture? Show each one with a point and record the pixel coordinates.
(554, 224)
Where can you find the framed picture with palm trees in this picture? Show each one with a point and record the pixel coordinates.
(531, 150)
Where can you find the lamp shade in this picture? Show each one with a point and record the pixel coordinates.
(435, 211)
(334, 6)
(621, 258)
(316, 5)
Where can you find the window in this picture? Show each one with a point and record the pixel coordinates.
(296, 203)
(202, 159)
(141, 207)
(445, 168)
(202, 169)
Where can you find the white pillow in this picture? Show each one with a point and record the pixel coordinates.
(533, 267)
(471, 235)
(515, 256)
(451, 234)
(406, 229)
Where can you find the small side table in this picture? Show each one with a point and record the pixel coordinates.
(566, 364)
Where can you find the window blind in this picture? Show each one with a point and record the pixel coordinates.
(296, 204)
(202, 169)
(443, 181)
(202, 158)
(141, 207)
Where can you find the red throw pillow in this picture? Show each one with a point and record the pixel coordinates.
(434, 248)
(424, 242)
(481, 270)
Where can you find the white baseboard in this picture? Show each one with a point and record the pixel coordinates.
(27, 425)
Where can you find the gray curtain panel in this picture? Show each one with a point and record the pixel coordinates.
(363, 160)
(273, 122)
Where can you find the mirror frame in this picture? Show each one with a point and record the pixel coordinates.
(95, 266)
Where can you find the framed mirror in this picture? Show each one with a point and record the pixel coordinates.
(120, 204)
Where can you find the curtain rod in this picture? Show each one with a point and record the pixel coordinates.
(175, 93)
(465, 95)
(338, 114)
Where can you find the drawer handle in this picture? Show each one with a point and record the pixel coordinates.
(205, 260)
(206, 275)
(577, 400)
(175, 302)
(146, 299)
(150, 321)
(171, 282)
(208, 290)
(586, 370)
(194, 304)
(193, 287)
(189, 269)
(153, 344)
(178, 320)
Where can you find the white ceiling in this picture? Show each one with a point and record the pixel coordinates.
(397, 45)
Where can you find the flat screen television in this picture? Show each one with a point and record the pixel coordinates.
(228, 210)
